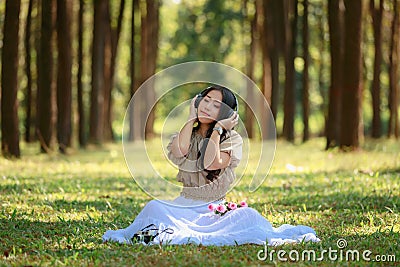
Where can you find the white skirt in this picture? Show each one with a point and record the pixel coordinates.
(198, 225)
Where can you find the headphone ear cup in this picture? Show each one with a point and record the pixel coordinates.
(230, 113)
(197, 101)
(236, 103)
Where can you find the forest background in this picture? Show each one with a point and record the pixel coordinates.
(69, 68)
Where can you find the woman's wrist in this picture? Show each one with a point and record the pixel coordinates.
(217, 130)
(219, 125)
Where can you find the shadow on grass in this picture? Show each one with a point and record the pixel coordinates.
(394, 171)
(343, 201)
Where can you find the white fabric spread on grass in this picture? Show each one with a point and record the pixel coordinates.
(200, 226)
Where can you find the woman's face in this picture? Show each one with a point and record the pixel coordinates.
(209, 107)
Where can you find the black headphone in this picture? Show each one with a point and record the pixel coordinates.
(203, 93)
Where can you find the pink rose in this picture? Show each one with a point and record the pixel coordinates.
(212, 207)
(232, 205)
(221, 208)
(243, 204)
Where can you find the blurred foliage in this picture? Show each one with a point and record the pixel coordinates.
(206, 30)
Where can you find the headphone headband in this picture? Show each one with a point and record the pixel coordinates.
(216, 88)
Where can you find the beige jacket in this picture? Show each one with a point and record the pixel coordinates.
(196, 185)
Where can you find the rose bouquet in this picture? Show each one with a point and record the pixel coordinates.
(224, 207)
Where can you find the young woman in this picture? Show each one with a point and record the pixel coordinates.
(207, 150)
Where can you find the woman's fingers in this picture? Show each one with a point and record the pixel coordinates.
(230, 122)
(235, 116)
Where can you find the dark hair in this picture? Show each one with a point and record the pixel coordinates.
(230, 103)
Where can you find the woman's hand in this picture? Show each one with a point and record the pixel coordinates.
(229, 123)
(192, 112)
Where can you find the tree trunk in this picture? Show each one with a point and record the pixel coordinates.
(264, 32)
(98, 60)
(115, 34)
(9, 83)
(250, 64)
(81, 110)
(351, 96)
(289, 107)
(335, 21)
(322, 66)
(393, 73)
(64, 66)
(306, 57)
(144, 60)
(376, 15)
(275, 42)
(135, 107)
(28, 71)
(107, 127)
(149, 44)
(112, 40)
(45, 78)
(154, 21)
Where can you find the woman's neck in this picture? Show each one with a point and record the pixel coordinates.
(203, 129)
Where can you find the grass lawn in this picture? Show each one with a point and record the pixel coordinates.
(54, 209)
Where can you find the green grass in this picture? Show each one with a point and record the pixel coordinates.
(54, 209)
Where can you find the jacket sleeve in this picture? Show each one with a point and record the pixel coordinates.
(176, 160)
